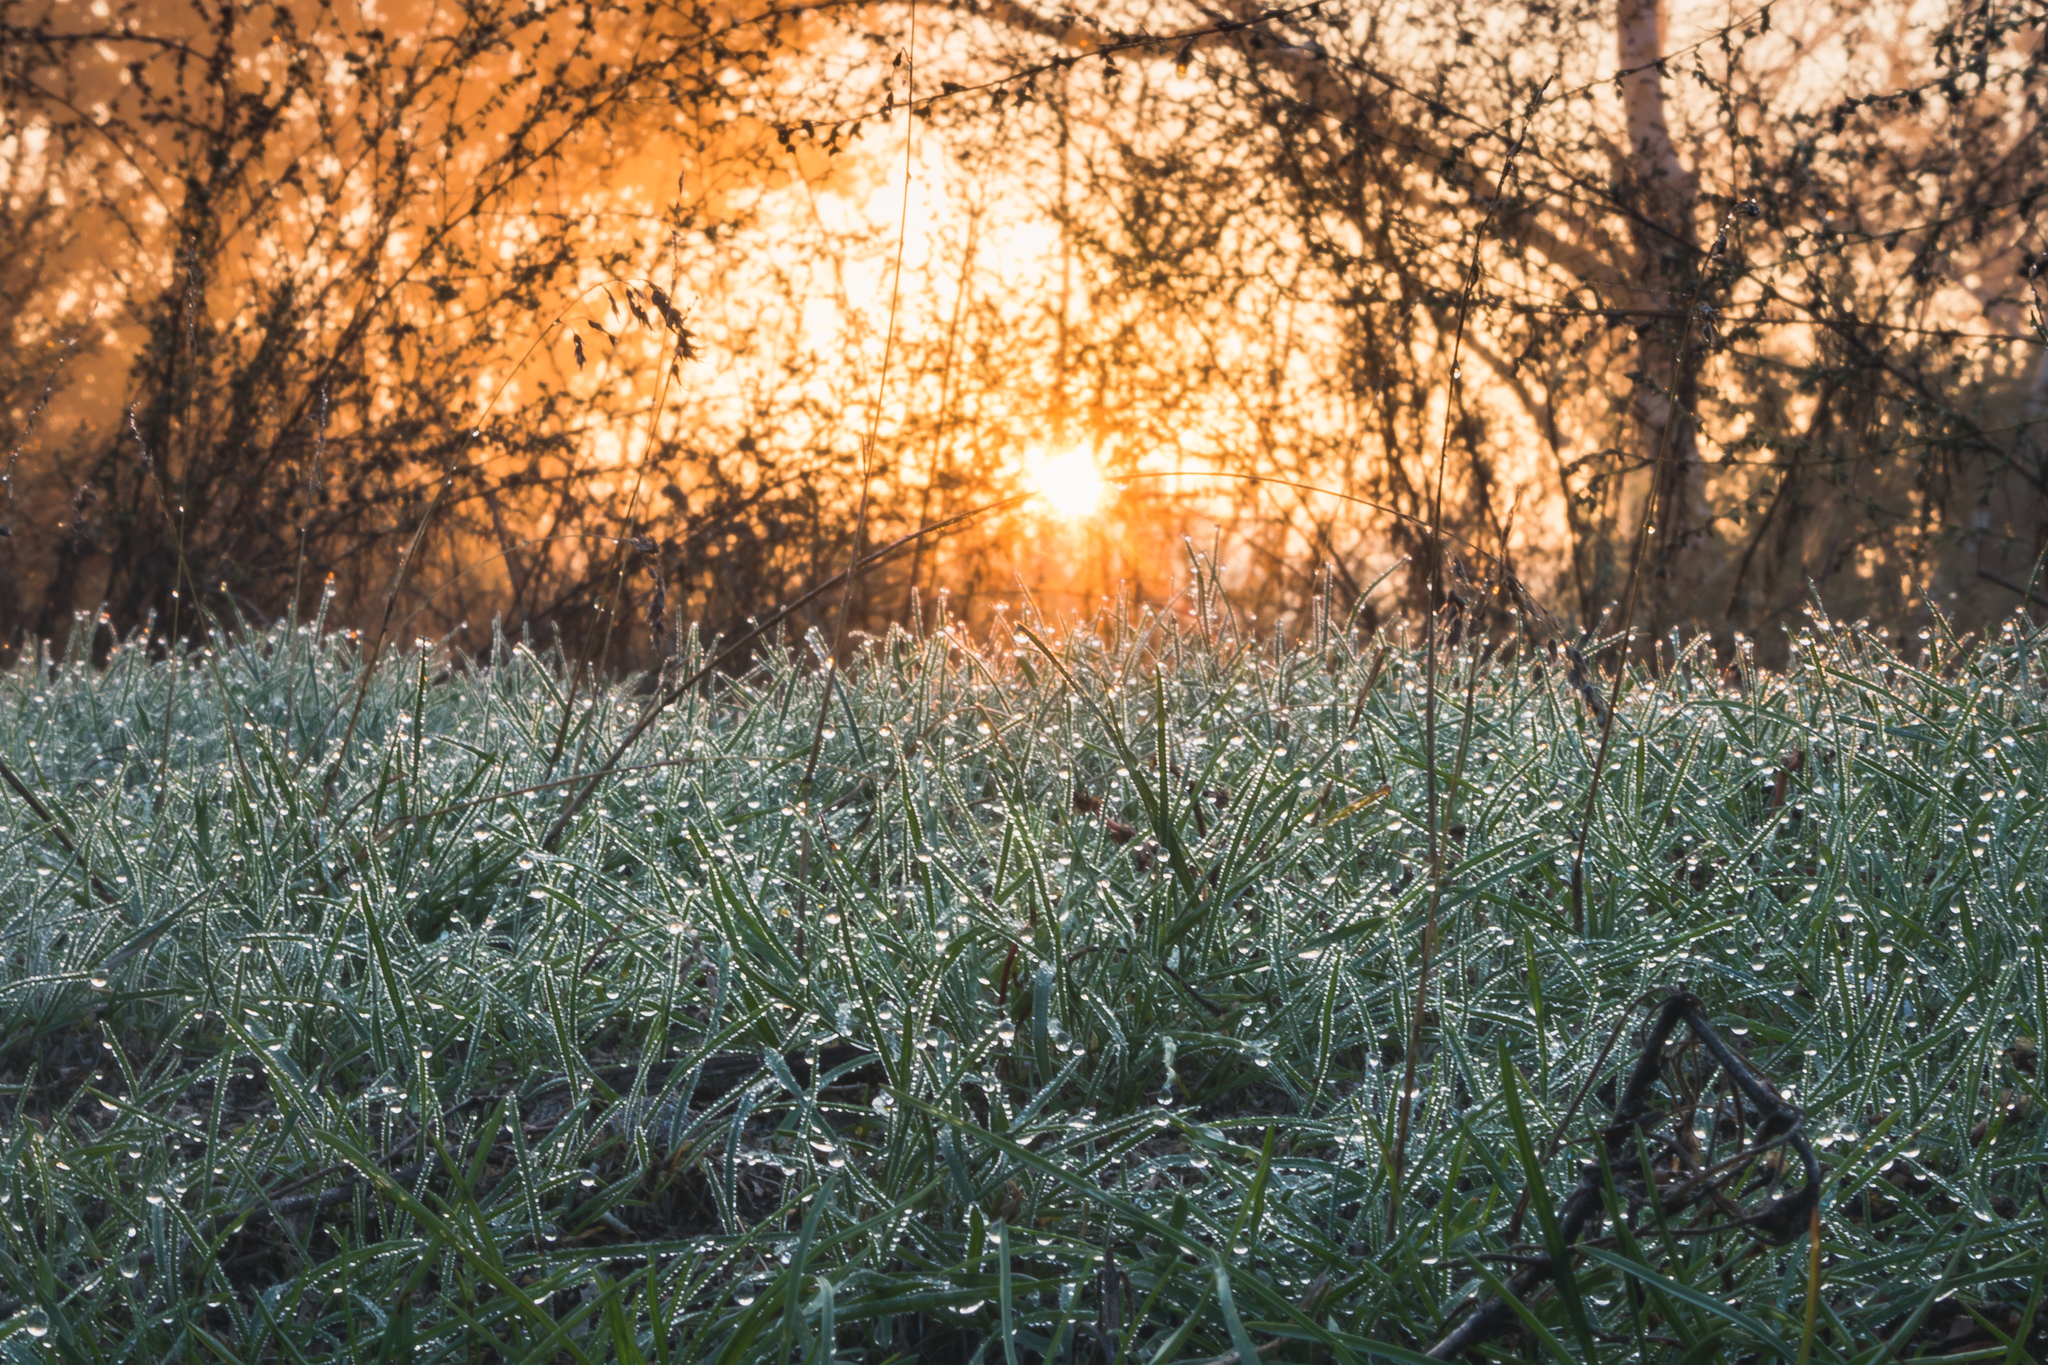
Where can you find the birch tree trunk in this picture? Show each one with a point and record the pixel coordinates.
(1660, 201)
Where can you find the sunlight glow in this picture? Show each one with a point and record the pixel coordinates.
(1068, 481)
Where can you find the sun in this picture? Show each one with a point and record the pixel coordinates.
(1068, 481)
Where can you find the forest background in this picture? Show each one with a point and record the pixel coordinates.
(676, 309)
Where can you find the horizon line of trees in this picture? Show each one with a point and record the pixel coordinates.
(595, 317)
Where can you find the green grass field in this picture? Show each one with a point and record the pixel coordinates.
(317, 1055)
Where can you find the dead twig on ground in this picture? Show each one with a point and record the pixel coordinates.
(1779, 1124)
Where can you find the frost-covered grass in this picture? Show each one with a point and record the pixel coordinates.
(942, 1062)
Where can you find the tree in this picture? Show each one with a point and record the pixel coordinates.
(1834, 400)
(316, 294)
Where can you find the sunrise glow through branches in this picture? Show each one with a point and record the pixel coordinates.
(1068, 481)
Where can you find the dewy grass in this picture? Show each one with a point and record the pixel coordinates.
(1085, 1027)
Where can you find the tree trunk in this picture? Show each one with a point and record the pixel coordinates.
(1661, 196)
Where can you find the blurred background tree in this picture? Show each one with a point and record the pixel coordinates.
(595, 309)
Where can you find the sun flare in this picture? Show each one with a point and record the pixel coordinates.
(1068, 481)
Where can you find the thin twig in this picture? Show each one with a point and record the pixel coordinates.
(1778, 1221)
(867, 450)
(1405, 1102)
(1746, 209)
(1550, 1149)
